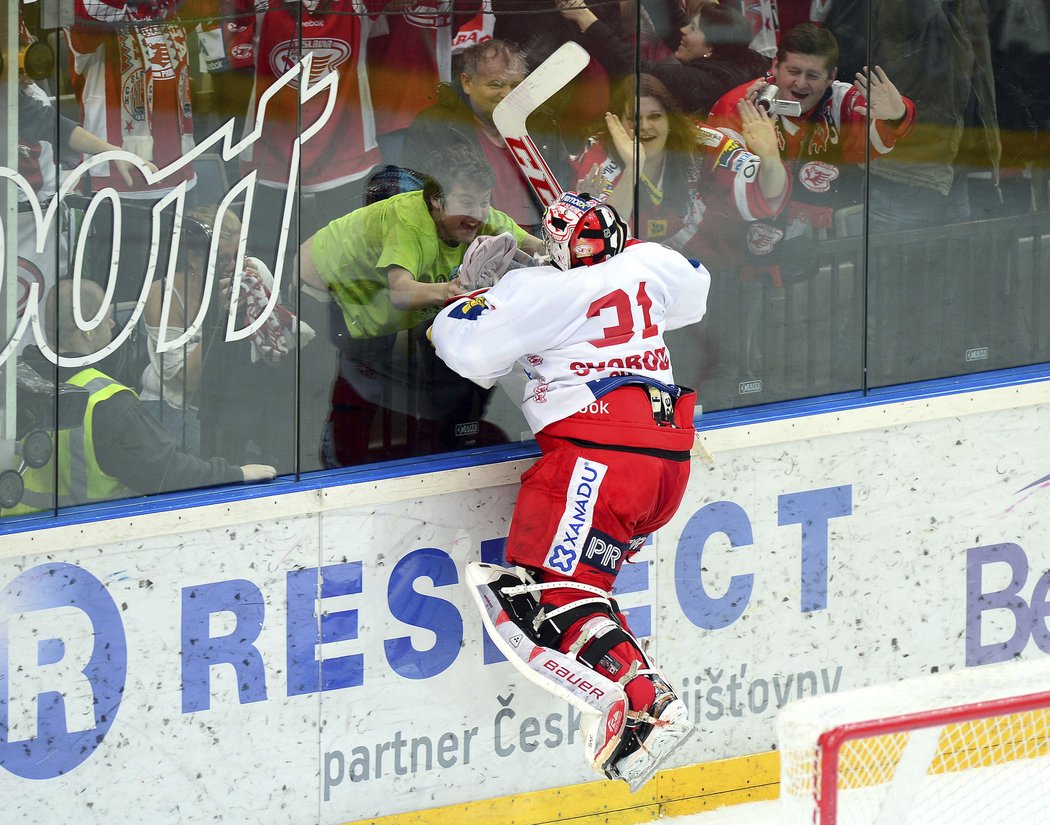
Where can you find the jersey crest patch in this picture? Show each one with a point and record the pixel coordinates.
(328, 54)
(762, 237)
(818, 176)
(470, 310)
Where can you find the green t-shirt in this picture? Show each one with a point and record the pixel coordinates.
(353, 252)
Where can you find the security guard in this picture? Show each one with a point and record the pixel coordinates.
(119, 449)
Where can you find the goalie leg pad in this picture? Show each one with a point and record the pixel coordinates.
(508, 617)
(596, 633)
(566, 649)
(651, 737)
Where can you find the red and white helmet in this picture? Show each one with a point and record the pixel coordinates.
(581, 230)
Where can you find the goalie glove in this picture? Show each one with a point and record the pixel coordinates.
(489, 258)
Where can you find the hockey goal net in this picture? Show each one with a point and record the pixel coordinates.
(958, 748)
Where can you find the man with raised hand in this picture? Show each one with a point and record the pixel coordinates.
(823, 147)
(616, 434)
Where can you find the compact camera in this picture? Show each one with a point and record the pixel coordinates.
(767, 101)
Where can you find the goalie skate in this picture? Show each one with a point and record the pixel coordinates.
(651, 739)
(508, 618)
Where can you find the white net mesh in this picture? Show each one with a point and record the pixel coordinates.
(961, 748)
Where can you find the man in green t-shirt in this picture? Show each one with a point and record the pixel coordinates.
(389, 267)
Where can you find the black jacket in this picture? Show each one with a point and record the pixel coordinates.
(133, 447)
(696, 86)
(39, 122)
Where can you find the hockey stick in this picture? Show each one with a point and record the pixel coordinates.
(552, 75)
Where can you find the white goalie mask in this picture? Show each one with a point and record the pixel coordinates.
(581, 230)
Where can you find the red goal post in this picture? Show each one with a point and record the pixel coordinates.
(967, 746)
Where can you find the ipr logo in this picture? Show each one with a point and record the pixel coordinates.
(63, 665)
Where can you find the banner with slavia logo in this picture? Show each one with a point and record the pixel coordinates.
(330, 667)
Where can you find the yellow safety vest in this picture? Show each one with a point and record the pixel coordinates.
(79, 478)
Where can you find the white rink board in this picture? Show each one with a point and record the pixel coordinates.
(833, 561)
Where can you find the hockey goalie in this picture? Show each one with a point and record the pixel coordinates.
(615, 433)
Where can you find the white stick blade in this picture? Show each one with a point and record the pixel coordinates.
(550, 77)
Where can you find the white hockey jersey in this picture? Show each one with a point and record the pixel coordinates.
(570, 329)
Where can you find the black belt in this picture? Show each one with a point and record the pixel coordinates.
(662, 397)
